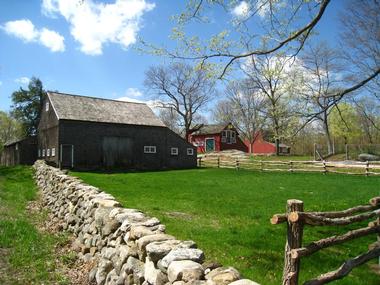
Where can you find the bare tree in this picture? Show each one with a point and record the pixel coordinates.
(272, 77)
(368, 111)
(360, 39)
(244, 108)
(184, 89)
(170, 118)
(322, 76)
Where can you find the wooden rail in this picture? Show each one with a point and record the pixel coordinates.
(359, 168)
(296, 219)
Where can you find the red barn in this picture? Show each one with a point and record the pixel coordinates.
(260, 146)
(217, 138)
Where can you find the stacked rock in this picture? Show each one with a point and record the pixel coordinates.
(128, 246)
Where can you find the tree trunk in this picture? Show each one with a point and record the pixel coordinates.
(277, 146)
(294, 241)
(328, 135)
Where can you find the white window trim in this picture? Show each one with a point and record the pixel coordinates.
(48, 152)
(190, 151)
(229, 136)
(53, 152)
(47, 106)
(39, 152)
(174, 151)
(43, 152)
(150, 149)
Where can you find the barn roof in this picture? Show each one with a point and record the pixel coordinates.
(82, 108)
(210, 129)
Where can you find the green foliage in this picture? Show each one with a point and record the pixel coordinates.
(27, 105)
(25, 253)
(227, 212)
(344, 123)
(10, 129)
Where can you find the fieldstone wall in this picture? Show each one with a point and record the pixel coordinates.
(128, 246)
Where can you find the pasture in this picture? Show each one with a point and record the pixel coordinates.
(227, 213)
(26, 254)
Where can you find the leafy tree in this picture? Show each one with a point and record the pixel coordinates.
(27, 105)
(10, 129)
(272, 78)
(345, 123)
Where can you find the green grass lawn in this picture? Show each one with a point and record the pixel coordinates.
(26, 255)
(227, 213)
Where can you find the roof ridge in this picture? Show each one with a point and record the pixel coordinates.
(92, 97)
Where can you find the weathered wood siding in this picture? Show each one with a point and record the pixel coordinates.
(103, 145)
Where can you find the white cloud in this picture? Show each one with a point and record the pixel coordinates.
(52, 40)
(22, 29)
(1, 83)
(133, 92)
(26, 31)
(241, 10)
(22, 80)
(94, 24)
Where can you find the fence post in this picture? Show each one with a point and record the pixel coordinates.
(346, 149)
(200, 162)
(261, 165)
(324, 167)
(291, 166)
(294, 240)
(218, 161)
(237, 164)
(367, 168)
(315, 151)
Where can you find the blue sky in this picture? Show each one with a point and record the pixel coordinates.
(91, 52)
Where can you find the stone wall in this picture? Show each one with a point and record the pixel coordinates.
(128, 246)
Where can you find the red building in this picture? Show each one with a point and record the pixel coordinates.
(261, 147)
(217, 138)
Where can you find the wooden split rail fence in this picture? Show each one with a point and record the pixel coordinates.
(359, 168)
(296, 219)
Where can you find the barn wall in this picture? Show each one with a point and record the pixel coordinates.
(92, 140)
(48, 134)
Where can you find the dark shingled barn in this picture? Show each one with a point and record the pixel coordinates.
(22, 151)
(93, 133)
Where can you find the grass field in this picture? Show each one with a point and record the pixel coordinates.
(227, 213)
(26, 255)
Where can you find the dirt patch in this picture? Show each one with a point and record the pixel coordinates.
(67, 262)
(179, 215)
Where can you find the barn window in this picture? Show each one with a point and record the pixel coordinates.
(229, 136)
(39, 152)
(150, 149)
(48, 152)
(47, 106)
(16, 146)
(174, 151)
(43, 153)
(53, 151)
(190, 151)
(224, 136)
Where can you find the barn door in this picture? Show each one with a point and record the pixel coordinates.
(117, 152)
(67, 156)
(210, 144)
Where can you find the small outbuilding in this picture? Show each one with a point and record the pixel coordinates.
(93, 133)
(262, 147)
(217, 138)
(22, 151)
